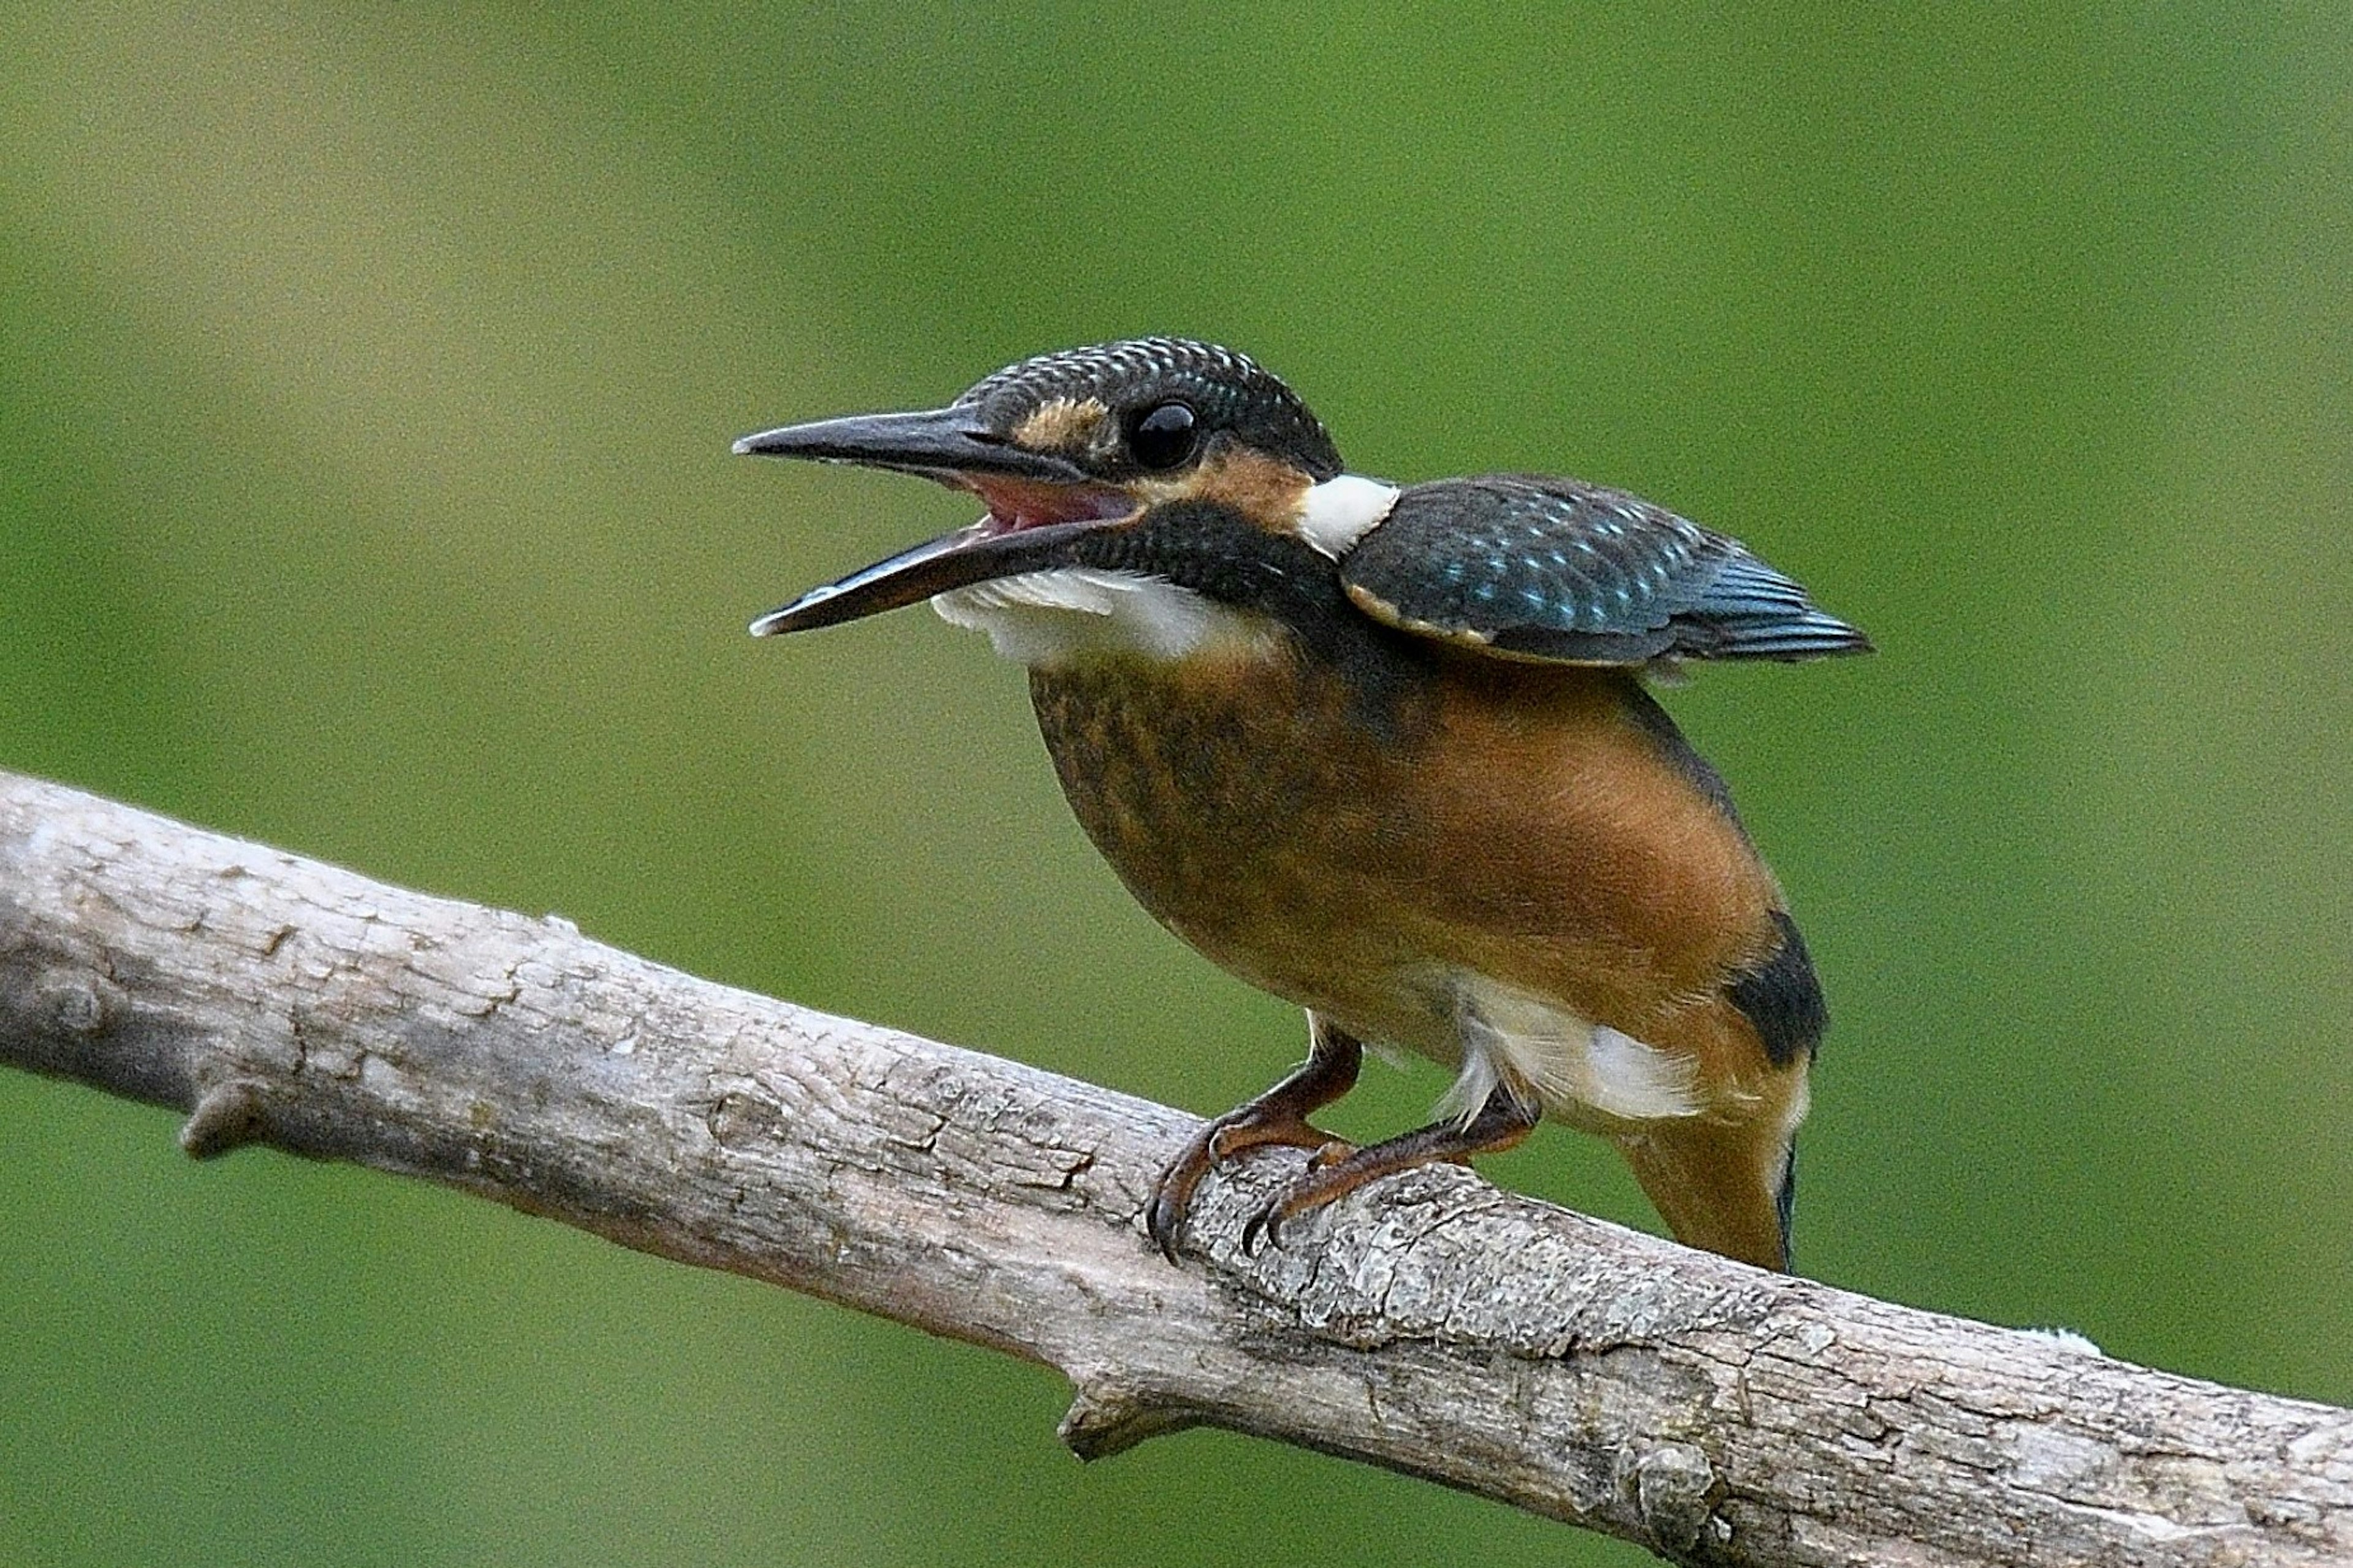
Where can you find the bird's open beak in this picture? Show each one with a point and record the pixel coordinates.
(1039, 505)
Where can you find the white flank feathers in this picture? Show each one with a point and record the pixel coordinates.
(1511, 1037)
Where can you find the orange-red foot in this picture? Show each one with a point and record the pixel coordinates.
(1503, 1121)
(1277, 1116)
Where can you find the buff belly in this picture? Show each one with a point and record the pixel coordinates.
(1491, 865)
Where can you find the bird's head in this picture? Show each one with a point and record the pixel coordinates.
(1070, 448)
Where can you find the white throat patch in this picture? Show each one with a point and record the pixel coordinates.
(1342, 510)
(1047, 619)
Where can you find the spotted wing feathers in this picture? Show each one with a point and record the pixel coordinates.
(1558, 570)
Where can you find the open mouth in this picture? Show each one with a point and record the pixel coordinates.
(1018, 504)
(1030, 526)
(1039, 505)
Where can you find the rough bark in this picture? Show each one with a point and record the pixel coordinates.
(1433, 1324)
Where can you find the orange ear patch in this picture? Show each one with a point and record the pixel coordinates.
(1061, 424)
(1268, 493)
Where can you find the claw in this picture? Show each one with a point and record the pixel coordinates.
(1264, 1226)
(1339, 1169)
(1163, 1219)
(1172, 1194)
(1310, 1192)
(1250, 1127)
(1278, 1116)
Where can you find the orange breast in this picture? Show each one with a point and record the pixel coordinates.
(1510, 820)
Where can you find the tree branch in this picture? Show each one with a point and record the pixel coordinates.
(1433, 1324)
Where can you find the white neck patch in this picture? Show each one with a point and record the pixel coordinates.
(1048, 619)
(1342, 510)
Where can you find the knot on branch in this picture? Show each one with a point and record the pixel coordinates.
(1675, 1495)
(75, 1004)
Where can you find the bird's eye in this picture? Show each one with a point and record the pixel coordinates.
(1165, 436)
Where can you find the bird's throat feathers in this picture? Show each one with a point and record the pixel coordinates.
(1053, 620)
(1236, 564)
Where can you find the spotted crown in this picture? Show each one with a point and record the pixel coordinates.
(1227, 392)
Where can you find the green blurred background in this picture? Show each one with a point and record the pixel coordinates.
(366, 386)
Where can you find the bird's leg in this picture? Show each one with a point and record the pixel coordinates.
(1501, 1122)
(1278, 1116)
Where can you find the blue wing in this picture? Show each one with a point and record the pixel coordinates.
(1558, 570)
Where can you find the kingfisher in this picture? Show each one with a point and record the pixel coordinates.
(1387, 752)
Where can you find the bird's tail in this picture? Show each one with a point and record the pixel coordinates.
(1726, 1187)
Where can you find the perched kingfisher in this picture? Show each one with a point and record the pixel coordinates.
(1385, 750)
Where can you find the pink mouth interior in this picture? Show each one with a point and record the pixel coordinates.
(1016, 504)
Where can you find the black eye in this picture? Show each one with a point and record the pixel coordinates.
(1164, 437)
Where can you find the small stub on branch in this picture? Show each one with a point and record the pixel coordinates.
(229, 1116)
(1105, 1419)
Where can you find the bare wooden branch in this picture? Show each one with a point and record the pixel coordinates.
(1433, 1324)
